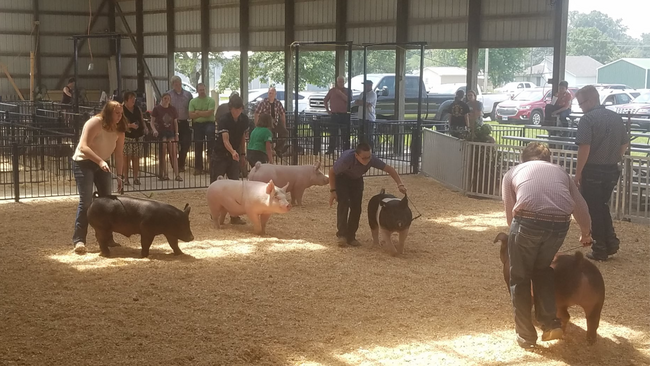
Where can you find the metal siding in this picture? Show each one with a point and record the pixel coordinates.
(153, 4)
(158, 66)
(15, 65)
(224, 18)
(16, 4)
(622, 72)
(372, 34)
(223, 2)
(266, 16)
(155, 45)
(517, 21)
(71, 24)
(129, 66)
(127, 46)
(56, 65)
(267, 41)
(68, 5)
(188, 42)
(224, 41)
(15, 22)
(129, 84)
(316, 12)
(154, 23)
(372, 10)
(11, 43)
(316, 35)
(188, 21)
(129, 6)
(184, 3)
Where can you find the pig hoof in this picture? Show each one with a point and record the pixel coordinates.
(178, 253)
(113, 244)
(591, 339)
(105, 254)
(145, 254)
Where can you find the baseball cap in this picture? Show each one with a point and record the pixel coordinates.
(368, 82)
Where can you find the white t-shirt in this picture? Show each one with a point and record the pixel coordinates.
(371, 98)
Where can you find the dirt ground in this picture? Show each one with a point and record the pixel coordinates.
(294, 297)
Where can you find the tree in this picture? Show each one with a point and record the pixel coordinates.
(590, 41)
(189, 64)
(230, 75)
(504, 63)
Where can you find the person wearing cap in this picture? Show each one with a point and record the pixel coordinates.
(369, 108)
(539, 198)
(458, 115)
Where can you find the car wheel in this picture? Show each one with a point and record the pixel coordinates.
(536, 118)
(445, 117)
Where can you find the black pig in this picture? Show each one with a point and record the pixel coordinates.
(129, 215)
(389, 214)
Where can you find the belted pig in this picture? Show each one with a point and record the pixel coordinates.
(298, 177)
(577, 282)
(388, 214)
(129, 215)
(255, 199)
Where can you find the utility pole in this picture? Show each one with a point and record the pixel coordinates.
(485, 74)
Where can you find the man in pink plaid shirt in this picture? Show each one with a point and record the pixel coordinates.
(274, 107)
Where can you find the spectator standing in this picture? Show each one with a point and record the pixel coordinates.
(602, 140)
(539, 198)
(136, 129)
(274, 107)
(68, 90)
(346, 187)
(260, 144)
(164, 124)
(369, 108)
(458, 115)
(229, 146)
(180, 100)
(101, 137)
(475, 110)
(202, 114)
(336, 104)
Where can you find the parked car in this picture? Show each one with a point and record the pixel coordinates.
(443, 95)
(640, 107)
(526, 107)
(515, 87)
(384, 86)
(190, 89)
(257, 95)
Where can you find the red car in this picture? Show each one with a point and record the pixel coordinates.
(526, 107)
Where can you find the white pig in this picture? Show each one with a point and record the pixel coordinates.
(255, 199)
(298, 177)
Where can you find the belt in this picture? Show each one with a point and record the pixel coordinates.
(542, 217)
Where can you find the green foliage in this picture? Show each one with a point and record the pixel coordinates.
(189, 63)
(504, 63)
(592, 42)
(230, 75)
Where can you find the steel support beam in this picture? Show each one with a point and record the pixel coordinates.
(205, 44)
(559, 41)
(341, 36)
(244, 46)
(139, 43)
(37, 45)
(473, 40)
(111, 27)
(93, 20)
(400, 58)
(289, 38)
(171, 39)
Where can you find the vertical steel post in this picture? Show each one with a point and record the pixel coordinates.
(416, 144)
(15, 160)
(118, 64)
(362, 130)
(76, 75)
(294, 139)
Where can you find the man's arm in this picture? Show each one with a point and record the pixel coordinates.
(581, 210)
(509, 197)
(326, 101)
(192, 111)
(393, 174)
(583, 154)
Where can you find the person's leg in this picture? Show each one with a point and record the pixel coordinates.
(345, 132)
(544, 280)
(523, 244)
(233, 170)
(84, 175)
(343, 206)
(356, 197)
(211, 138)
(218, 167)
(564, 117)
(283, 134)
(592, 191)
(173, 147)
(104, 183)
(136, 169)
(611, 178)
(125, 167)
(335, 135)
(163, 159)
(199, 136)
(185, 140)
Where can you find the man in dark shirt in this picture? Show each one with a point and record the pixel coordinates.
(602, 140)
(68, 90)
(458, 115)
(230, 145)
(346, 186)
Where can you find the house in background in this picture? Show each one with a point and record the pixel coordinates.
(633, 72)
(579, 70)
(434, 76)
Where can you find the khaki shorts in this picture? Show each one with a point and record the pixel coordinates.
(133, 147)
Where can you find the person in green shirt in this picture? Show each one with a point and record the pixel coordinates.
(260, 142)
(202, 115)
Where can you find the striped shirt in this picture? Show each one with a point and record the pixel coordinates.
(604, 131)
(181, 101)
(545, 188)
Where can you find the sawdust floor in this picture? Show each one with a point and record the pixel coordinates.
(294, 297)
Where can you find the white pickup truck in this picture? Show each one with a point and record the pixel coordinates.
(444, 94)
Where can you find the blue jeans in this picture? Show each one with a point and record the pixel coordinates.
(87, 173)
(598, 182)
(532, 245)
(202, 131)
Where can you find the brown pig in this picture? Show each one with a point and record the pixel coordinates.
(577, 282)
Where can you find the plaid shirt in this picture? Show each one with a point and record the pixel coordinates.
(265, 107)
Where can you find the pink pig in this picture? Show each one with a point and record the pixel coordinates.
(298, 177)
(255, 199)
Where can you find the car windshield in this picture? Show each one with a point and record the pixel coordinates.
(444, 89)
(643, 98)
(529, 95)
(357, 81)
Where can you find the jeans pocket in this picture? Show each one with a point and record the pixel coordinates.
(530, 233)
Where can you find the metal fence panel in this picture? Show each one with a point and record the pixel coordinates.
(443, 158)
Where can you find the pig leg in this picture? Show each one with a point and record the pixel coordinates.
(218, 215)
(257, 223)
(402, 239)
(563, 315)
(104, 238)
(145, 240)
(593, 320)
(263, 220)
(375, 236)
(173, 242)
(296, 196)
(385, 237)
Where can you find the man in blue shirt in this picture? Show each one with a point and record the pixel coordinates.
(346, 187)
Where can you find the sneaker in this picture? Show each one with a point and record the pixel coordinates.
(612, 251)
(80, 248)
(181, 169)
(237, 221)
(525, 344)
(136, 182)
(342, 241)
(551, 334)
(354, 243)
(594, 257)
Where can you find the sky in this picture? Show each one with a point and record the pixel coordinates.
(634, 13)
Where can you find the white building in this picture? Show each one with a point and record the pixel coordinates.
(434, 76)
(579, 70)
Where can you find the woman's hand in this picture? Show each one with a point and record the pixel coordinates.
(155, 133)
(146, 131)
(104, 166)
(133, 126)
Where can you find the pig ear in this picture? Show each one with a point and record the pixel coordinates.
(317, 165)
(187, 209)
(270, 187)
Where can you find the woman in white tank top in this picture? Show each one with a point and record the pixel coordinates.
(101, 137)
